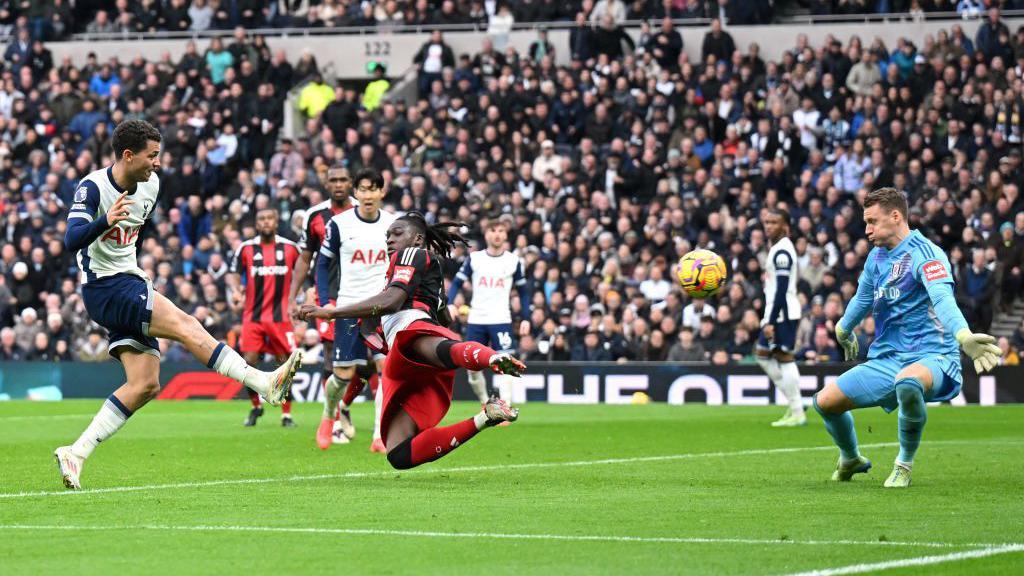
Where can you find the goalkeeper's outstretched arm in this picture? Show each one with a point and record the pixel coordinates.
(980, 347)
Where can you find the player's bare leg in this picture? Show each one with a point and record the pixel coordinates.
(170, 322)
(834, 408)
(142, 371)
(407, 447)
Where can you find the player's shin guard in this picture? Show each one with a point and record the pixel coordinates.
(228, 363)
(112, 415)
(912, 417)
(790, 385)
(479, 385)
(431, 444)
(840, 426)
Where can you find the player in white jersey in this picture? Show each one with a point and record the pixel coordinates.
(776, 346)
(492, 273)
(357, 240)
(110, 206)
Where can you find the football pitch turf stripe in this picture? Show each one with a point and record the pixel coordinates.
(1001, 548)
(919, 561)
(458, 469)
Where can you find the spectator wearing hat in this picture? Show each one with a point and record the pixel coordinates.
(547, 161)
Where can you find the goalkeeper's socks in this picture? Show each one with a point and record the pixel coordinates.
(112, 415)
(912, 417)
(840, 426)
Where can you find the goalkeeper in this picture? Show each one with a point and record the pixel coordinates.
(907, 285)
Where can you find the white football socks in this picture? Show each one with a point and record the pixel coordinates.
(378, 407)
(479, 384)
(229, 363)
(771, 368)
(333, 391)
(790, 385)
(112, 415)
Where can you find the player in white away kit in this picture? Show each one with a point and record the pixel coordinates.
(775, 347)
(357, 238)
(110, 207)
(492, 273)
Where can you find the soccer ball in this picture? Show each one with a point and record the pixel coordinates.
(701, 273)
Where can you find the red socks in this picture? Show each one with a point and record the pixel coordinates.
(286, 407)
(471, 355)
(254, 398)
(355, 386)
(434, 443)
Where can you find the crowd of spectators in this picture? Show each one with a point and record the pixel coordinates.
(607, 170)
(57, 19)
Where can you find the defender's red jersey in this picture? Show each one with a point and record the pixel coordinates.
(268, 270)
(314, 230)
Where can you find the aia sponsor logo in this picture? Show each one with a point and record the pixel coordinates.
(121, 237)
(934, 270)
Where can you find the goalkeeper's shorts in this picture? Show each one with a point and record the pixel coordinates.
(873, 383)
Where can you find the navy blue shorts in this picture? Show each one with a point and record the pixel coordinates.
(123, 304)
(349, 347)
(784, 338)
(497, 336)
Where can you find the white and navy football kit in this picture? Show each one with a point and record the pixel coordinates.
(492, 278)
(360, 247)
(117, 293)
(781, 305)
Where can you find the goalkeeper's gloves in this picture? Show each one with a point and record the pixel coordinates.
(981, 348)
(848, 341)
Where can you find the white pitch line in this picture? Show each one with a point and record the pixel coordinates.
(488, 468)
(919, 561)
(498, 535)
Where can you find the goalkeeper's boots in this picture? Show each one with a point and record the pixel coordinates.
(900, 477)
(70, 467)
(845, 469)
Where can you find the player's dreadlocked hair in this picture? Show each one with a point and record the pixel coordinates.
(440, 238)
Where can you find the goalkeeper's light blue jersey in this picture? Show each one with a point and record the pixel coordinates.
(900, 287)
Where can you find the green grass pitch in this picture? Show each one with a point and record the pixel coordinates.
(654, 489)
